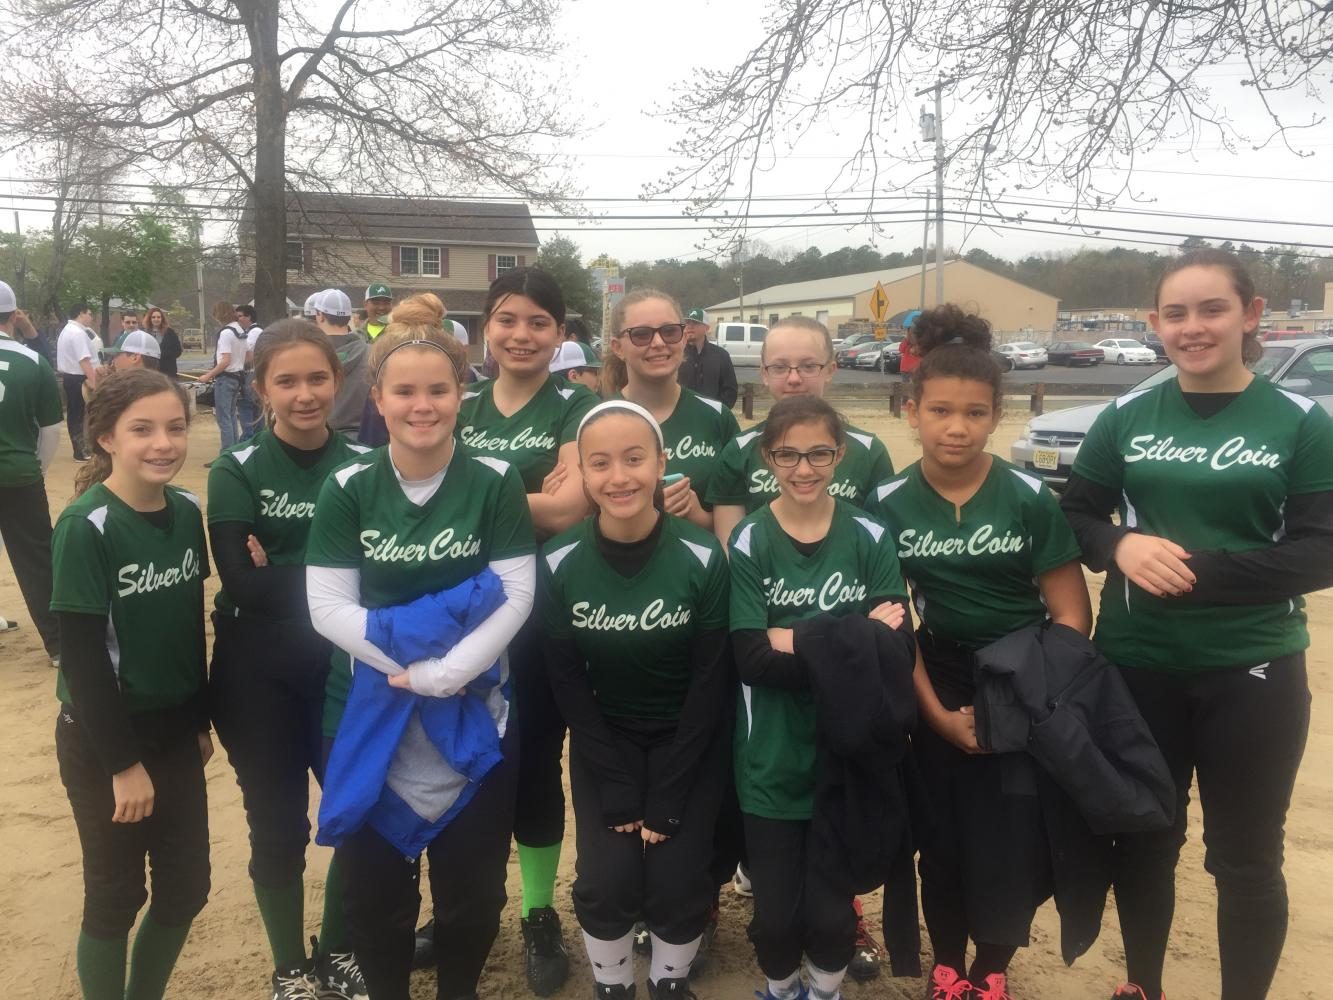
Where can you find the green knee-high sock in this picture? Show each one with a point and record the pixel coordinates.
(101, 963)
(538, 866)
(333, 930)
(156, 948)
(282, 909)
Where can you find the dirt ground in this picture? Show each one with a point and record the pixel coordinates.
(227, 957)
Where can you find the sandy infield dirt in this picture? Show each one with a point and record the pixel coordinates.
(227, 955)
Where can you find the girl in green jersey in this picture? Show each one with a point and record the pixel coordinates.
(636, 645)
(1224, 487)
(269, 666)
(987, 552)
(647, 348)
(132, 735)
(804, 554)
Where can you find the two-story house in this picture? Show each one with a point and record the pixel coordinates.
(452, 248)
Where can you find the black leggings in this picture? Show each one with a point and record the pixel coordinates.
(795, 910)
(539, 818)
(74, 409)
(174, 839)
(668, 885)
(266, 693)
(467, 871)
(1241, 732)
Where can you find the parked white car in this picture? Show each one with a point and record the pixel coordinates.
(1124, 351)
(743, 341)
(1023, 354)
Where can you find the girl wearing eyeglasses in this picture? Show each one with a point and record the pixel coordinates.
(987, 553)
(797, 360)
(806, 553)
(528, 417)
(646, 354)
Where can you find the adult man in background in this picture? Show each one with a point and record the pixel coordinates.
(378, 305)
(249, 409)
(333, 315)
(74, 362)
(707, 368)
(29, 435)
(228, 374)
(134, 349)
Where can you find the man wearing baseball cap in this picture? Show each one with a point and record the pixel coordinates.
(29, 435)
(378, 303)
(578, 362)
(134, 349)
(707, 368)
(333, 315)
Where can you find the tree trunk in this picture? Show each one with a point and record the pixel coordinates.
(105, 323)
(270, 210)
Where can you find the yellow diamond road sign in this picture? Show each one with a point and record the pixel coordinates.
(879, 303)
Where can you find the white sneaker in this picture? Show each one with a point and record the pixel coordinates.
(741, 882)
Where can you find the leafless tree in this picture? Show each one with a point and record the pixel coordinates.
(251, 100)
(1045, 93)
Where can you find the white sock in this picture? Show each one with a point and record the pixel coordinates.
(823, 985)
(612, 961)
(786, 989)
(671, 961)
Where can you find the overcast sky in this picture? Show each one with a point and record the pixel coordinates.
(621, 62)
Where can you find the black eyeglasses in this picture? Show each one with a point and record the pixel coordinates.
(642, 336)
(806, 369)
(789, 458)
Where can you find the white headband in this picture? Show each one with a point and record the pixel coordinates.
(628, 407)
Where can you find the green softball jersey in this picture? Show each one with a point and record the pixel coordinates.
(1206, 484)
(635, 632)
(529, 440)
(973, 579)
(107, 559)
(257, 483)
(774, 586)
(742, 478)
(697, 431)
(29, 401)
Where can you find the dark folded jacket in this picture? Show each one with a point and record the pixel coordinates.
(862, 832)
(1047, 690)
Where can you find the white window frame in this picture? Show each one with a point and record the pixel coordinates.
(420, 267)
(505, 262)
(299, 246)
(426, 271)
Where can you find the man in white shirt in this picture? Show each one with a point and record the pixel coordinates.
(228, 376)
(74, 363)
(249, 409)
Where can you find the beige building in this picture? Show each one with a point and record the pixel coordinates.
(1012, 308)
(1306, 320)
(452, 248)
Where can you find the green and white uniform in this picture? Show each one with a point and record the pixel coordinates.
(742, 478)
(530, 439)
(695, 434)
(109, 560)
(29, 401)
(635, 633)
(774, 586)
(974, 578)
(1216, 483)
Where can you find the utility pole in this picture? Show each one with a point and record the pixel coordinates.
(925, 249)
(740, 277)
(932, 127)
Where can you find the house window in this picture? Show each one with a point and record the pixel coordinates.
(430, 261)
(773, 319)
(505, 262)
(295, 255)
(424, 261)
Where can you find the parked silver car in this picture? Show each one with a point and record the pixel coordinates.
(1050, 443)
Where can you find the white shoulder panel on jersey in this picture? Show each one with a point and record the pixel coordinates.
(345, 474)
(876, 531)
(743, 440)
(888, 489)
(98, 518)
(242, 455)
(14, 347)
(360, 449)
(742, 542)
(1304, 402)
(565, 393)
(1033, 483)
(866, 440)
(1129, 397)
(555, 558)
(470, 395)
(701, 552)
(498, 465)
(714, 403)
(192, 497)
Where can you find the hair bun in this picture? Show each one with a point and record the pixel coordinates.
(948, 324)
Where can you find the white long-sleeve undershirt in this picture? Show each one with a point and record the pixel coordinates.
(48, 443)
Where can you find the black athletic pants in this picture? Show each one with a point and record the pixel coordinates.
(266, 695)
(74, 411)
(1241, 732)
(539, 819)
(620, 879)
(174, 839)
(796, 911)
(25, 525)
(468, 863)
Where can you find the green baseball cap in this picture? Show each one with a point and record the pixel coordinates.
(697, 316)
(378, 290)
(590, 357)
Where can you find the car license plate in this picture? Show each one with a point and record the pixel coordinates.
(1046, 458)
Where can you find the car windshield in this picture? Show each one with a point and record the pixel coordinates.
(1025, 345)
(1272, 360)
(1076, 345)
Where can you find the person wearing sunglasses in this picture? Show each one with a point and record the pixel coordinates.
(646, 354)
